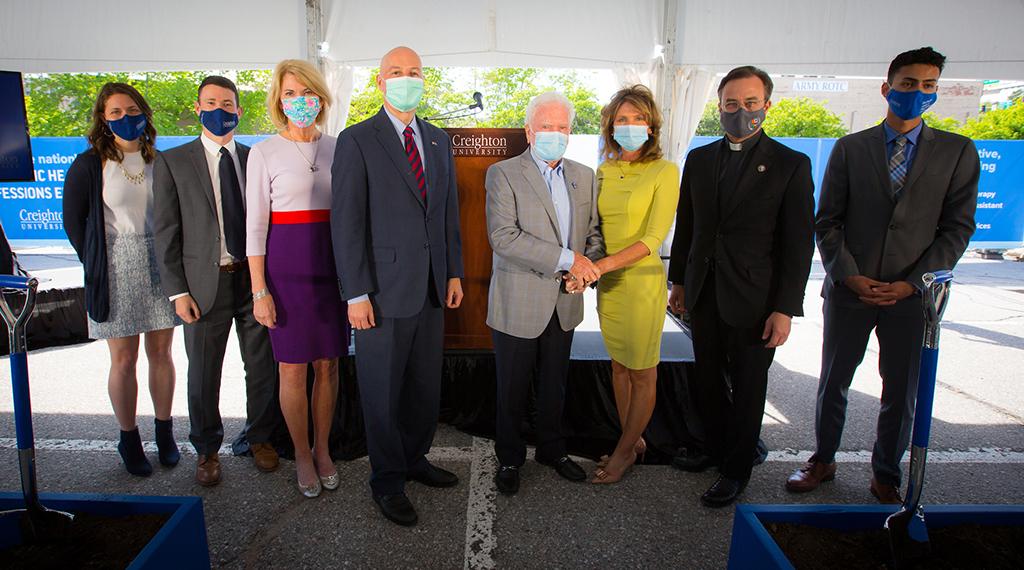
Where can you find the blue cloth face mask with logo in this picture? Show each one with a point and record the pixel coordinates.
(218, 121)
(404, 93)
(630, 137)
(910, 104)
(550, 145)
(128, 127)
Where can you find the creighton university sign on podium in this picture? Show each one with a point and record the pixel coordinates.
(475, 150)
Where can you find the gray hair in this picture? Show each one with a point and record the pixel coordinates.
(547, 98)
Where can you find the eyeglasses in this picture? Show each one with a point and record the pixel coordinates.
(749, 104)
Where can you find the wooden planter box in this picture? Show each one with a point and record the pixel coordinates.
(180, 542)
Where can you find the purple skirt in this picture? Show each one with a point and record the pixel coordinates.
(312, 319)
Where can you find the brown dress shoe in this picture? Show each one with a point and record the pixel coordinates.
(808, 477)
(264, 456)
(208, 470)
(885, 493)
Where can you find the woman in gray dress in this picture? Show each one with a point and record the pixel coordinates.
(108, 203)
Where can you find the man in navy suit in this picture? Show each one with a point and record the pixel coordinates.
(398, 251)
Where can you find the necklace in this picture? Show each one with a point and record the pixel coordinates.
(312, 163)
(133, 178)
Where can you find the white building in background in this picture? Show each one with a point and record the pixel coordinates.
(859, 102)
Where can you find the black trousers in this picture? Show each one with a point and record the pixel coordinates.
(522, 362)
(205, 343)
(731, 365)
(398, 365)
(900, 330)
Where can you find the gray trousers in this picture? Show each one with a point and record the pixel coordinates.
(205, 343)
(900, 329)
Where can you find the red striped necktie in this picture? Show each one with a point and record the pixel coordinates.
(415, 162)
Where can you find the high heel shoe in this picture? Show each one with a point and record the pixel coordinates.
(603, 475)
(640, 449)
(329, 482)
(132, 454)
(311, 491)
(167, 448)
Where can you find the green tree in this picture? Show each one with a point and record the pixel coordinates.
(942, 123)
(803, 117)
(710, 125)
(507, 92)
(1005, 123)
(60, 104)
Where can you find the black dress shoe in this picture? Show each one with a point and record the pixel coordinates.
(434, 477)
(507, 480)
(723, 492)
(567, 468)
(693, 462)
(397, 509)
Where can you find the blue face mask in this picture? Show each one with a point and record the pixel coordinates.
(218, 121)
(630, 137)
(128, 127)
(550, 145)
(910, 104)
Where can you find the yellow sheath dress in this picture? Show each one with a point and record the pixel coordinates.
(637, 202)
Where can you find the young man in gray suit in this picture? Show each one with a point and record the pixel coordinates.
(398, 252)
(199, 229)
(542, 224)
(897, 201)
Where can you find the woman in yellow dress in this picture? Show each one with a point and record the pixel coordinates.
(637, 196)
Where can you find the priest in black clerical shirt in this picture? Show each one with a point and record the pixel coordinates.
(740, 260)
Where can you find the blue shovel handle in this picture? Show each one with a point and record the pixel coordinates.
(925, 396)
(18, 355)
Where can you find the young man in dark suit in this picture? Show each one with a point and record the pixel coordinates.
(398, 252)
(740, 260)
(897, 201)
(199, 230)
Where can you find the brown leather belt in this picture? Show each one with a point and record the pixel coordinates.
(235, 266)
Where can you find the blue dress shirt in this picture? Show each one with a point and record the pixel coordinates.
(908, 151)
(555, 179)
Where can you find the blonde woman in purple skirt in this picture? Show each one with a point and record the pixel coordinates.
(288, 243)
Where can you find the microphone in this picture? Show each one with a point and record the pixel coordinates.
(472, 109)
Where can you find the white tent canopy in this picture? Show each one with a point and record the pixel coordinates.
(674, 46)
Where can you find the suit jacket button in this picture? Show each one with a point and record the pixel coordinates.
(893, 227)
(426, 246)
(707, 260)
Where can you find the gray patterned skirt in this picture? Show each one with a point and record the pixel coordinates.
(137, 303)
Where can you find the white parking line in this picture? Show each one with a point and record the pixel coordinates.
(484, 449)
(481, 509)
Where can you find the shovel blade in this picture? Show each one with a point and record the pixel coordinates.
(908, 536)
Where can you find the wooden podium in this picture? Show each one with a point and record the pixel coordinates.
(475, 150)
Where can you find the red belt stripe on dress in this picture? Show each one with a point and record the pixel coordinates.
(300, 217)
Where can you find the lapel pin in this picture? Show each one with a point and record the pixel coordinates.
(573, 184)
(761, 168)
(434, 143)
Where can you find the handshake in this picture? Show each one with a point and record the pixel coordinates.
(582, 273)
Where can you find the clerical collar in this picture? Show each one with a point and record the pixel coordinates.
(744, 145)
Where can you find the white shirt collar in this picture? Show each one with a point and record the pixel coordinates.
(400, 126)
(214, 147)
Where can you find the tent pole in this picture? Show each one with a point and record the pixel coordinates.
(668, 57)
(314, 33)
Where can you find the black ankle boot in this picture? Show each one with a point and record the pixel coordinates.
(130, 448)
(167, 448)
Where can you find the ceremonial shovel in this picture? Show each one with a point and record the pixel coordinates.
(908, 535)
(37, 522)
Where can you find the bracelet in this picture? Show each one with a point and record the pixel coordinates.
(260, 294)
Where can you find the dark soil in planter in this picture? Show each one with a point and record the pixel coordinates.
(93, 541)
(956, 546)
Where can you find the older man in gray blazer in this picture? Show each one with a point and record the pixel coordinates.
(897, 201)
(199, 229)
(543, 227)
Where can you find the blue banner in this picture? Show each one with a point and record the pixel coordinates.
(32, 210)
(1000, 216)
